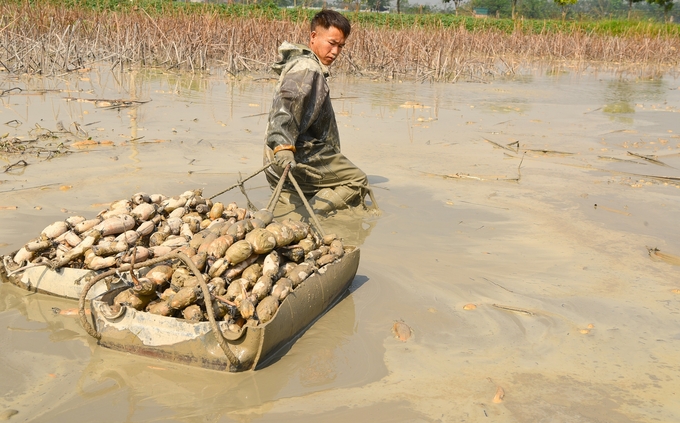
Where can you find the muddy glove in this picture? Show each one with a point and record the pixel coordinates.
(283, 157)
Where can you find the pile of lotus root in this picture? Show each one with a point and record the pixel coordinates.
(249, 261)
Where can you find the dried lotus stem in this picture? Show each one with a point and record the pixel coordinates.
(225, 301)
(132, 267)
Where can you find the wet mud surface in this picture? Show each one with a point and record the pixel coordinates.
(533, 198)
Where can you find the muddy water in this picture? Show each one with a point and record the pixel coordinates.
(528, 197)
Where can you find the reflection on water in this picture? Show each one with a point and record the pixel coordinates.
(619, 107)
(548, 238)
(139, 383)
(621, 95)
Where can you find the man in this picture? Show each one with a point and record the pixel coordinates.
(302, 129)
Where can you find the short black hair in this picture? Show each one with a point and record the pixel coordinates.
(328, 18)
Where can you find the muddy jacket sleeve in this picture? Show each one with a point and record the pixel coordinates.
(297, 104)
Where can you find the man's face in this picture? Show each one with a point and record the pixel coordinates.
(327, 43)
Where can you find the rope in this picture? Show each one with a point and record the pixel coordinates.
(240, 183)
(249, 203)
(277, 192)
(233, 360)
(86, 288)
(307, 206)
(368, 190)
(235, 364)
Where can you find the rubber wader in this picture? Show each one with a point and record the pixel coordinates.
(328, 200)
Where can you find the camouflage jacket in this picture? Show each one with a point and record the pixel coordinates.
(301, 113)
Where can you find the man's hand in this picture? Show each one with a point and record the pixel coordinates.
(283, 157)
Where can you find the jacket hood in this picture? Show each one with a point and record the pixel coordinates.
(291, 52)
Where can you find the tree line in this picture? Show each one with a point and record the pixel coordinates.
(661, 10)
(550, 9)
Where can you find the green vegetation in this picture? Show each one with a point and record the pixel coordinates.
(51, 36)
(269, 10)
(656, 10)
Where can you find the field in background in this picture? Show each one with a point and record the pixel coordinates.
(51, 37)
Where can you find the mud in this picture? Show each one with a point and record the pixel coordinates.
(534, 198)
